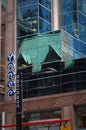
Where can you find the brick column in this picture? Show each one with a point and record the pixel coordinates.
(10, 37)
(68, 112)
(0, 36)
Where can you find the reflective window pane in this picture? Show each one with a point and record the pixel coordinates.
(82, 6)
(46, 3)
(45, 14)
(44, 26)
(82, 33)
(82, 19)
(66, 6)
(22, 3)
(27, 12)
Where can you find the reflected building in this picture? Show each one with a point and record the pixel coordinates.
(48, 38)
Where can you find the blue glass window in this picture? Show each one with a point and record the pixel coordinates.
(28, 12)
(67, 18)
(82, 33)
(82, 19)
(80, 46)
(69, 5)
(46, 3)
(22, 3)
(82, 6)
(44, 13)
(44, 26)
(66, 6)
(68, 29)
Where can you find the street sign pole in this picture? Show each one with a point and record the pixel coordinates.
(19, 88)
(19, 91)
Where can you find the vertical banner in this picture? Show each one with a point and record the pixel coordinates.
(11, 74)
(19, 91)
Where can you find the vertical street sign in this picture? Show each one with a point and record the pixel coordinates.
(11, 74)
(19, 88)
(19, 91)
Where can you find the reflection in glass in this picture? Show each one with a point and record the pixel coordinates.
(44, 26)
(28, 12)
(44, 13)
(23, 3)
(82, 33)
(72, 77)
(28, 15)
(57, 50)
(82, 6)
(46, 3)
(73, 16)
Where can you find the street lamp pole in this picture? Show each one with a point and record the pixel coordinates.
(19, 91)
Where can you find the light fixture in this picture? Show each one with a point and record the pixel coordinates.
(34, 29)
(34, 22)
(49, 70)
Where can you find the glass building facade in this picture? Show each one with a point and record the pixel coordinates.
(73, 17)
(48, 59)
(52, 61)
(34, 17)
(56, 65)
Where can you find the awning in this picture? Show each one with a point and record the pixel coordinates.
(34, 50)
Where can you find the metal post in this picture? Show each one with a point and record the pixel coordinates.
(3, 120)
(19, 91)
